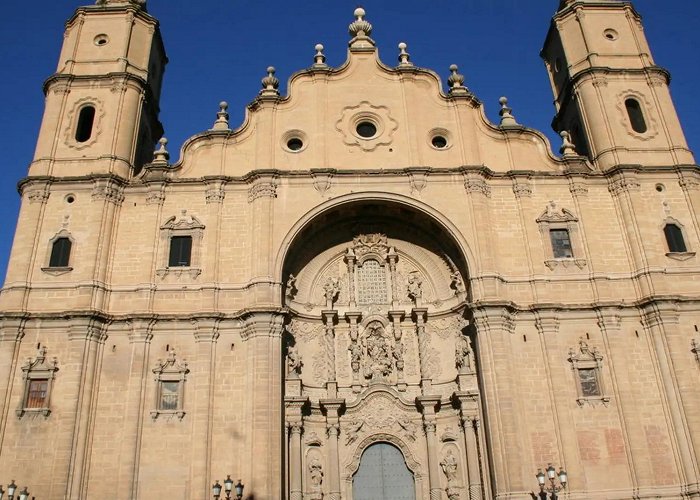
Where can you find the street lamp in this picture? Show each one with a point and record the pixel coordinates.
(553, 488)
(228, 488)
(11, 489)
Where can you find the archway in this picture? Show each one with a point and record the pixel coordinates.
(377, 297)
(383, 475)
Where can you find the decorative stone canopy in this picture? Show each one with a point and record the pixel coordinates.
(104, 3)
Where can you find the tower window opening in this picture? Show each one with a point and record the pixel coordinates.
(634, 112)
(60, 253)
(561, 243)
(86, 120)
(674, 238)
(180, 251)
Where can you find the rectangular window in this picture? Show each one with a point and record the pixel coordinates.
(169, 395)
(180, 251)
(60, 253)
(561, 243)
(37, 391)
(589, 382)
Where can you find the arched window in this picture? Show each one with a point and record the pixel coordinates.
(674, 238)
(634, 111)
(86, 119)
(60, 252)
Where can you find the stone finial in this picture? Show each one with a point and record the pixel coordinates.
(404, 57)
(270, 83)
(319, 57)
(360, 27)
(507, 117)
(104, 3)
(567, 148)
(221, 122)
(455, 80)
(161, 155)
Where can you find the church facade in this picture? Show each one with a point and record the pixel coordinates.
(365, 291)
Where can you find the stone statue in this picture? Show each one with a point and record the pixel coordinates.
(355, 356)
(449, 467)
(415, 288)
(291, 288)
(398, 355)
(331, 289)
(457, 282)
(294, 362)
(463, 351)
(379, 361)
(316, 477)
(352, 431)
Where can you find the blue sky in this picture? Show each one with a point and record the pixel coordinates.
(219, 49)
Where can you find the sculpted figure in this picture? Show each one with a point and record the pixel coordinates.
(352, 431)
(415, 288)
(331, 289)
(316, 474)
(291, 287)
(449, 467)
(294, 362)
(463, 350)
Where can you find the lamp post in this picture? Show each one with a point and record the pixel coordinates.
(552, 488)
(227, 487)
(11, 490)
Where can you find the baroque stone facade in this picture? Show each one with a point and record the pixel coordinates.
(297, 303)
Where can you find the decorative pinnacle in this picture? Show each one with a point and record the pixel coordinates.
(319, 58)
(140, 3)
(455, 80)
(567, 148)
(270, 83)
(221, 122)
(404, 57)
(161, 155)
(506, 116)
(360, 27)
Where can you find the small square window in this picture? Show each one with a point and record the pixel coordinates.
(561, 243)
(589, 382)
(60, 252)
(169, 395)
(180, 251)
(37, 392)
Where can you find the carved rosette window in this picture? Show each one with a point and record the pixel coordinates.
(561, 241)
(38, 375)
(178, 228)
(587, 364)
(170, 390)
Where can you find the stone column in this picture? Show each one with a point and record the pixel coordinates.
(656, 319)
(392, 257)
(11, 334)
(350, 260)
(261, 197)
(354, 317)
(295, 492)
(86, 338)
(554, 355)
(205, 336)
(429, 405)
(494, 326)
(329, 318)
(140, 336)
(469, 410)
(396, 317)
(332, 408)
(262, 338)
(419, 314)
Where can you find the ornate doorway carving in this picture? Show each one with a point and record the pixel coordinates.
(383, 475)
(378, 349)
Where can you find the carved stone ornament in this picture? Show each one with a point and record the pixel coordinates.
(262, 190)
(38, 375)
(621, 185)
(315, 478)
(379, 116)
(170, 375)
(294, 362)
(184, 221)
(477, 185)
(586, 362)
(108, 190)
(449, 467)
(555, 214)
(375, 243)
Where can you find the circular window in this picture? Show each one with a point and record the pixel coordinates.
(101, 39)
(70, 198)
(295, 144)
(610, 34)
(439, 142)
(660, 188)
(366, 129)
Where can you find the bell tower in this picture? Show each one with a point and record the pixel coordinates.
(102, 104)
(608, 92)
